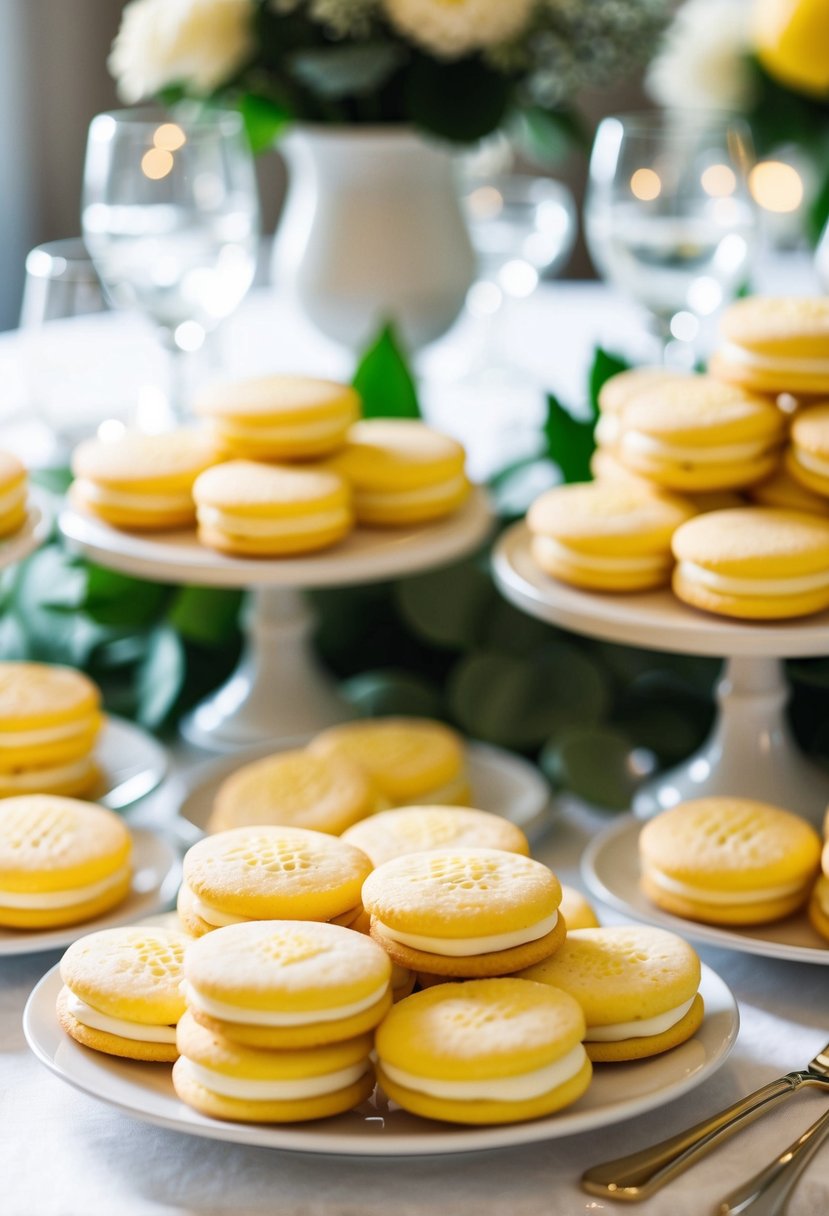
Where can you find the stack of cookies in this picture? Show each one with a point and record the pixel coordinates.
(13, 490)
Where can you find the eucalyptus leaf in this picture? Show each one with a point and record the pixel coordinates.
(448, 607)
(160, 677)
(378, 693)
(207, 615)
(384, 381)
(346, 69)
(594, 765)
(569, 441)
(120, 600)
(462, 100)
(547, 136)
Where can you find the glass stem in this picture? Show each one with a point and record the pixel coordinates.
(176, 380)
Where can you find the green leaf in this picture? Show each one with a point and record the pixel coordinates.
(160, 677)
(384, 381)
(547, 136)
(264, 120)
(346, 69)
(603, 367)
(461, 101)
(376, 694)
(120, 600)
(569, 440)
(447, 607)
(206, 615)
(57, 480)
(594, 765)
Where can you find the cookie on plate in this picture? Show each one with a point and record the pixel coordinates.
(61, 861)
(785, 491)
(279, 417)
(410, 760)
(402, 472)
(619, 390)
(13, 491)
(269, 873)
(122, 992)
(465, 912)
(819, 899)
(416, 829)
(262, 510)
(142, 482)
(487, 1051)
(606, 536)
(775, 345)
(295, 789)
(753, 563)
(286, 984)
(638, 987)
(728, 861)
(577, 911)
(807, 457)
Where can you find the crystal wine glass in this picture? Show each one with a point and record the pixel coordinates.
(668, 216)
(171, 220)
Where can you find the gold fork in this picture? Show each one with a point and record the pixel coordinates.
(638, 1175)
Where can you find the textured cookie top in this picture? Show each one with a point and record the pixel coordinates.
(755, 542)
(266, 490)
(134, 973)
(622, 973)
(295, 789)
(49, 843)
(12, 471)
(810, 430)
(286, 965)
(276, 872)
(597, 516)
(135, 460)
(730, 844)
(403, 756)
(269, 399)
(788, 325)
(461, 892)
(702, 410)
(621, 389)
(415, 829)
(34, 695)
(396, 454)
(482, 1028)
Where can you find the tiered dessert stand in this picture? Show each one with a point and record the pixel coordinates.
(277, 691)
(751, 752)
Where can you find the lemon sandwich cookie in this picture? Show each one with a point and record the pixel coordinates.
(286, 984)
(728, 861)
(776, 345)
(61, 861)
(296, 789)
(279, 417)
(410, 760)
(13, 491)
(260, 510)
(753, 563)
(417, 829)
(638, 988)
(487, 1051)
(138, 481)
(577, 911)
(402, 472)
(619, 390)
(50, 717)
(269, 873)
(819, 900)
(807, 457)
(465, 912)
(606, 536)
(784, 490)
(123, 993)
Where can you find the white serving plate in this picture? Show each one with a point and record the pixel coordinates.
(131, 761)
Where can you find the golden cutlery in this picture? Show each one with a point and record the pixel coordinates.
(767, 1193)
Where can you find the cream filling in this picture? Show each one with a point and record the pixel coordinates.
(274, 1091)
(608, 429)
(12, 499)
(239, 525)
(280, 1017)
(104, 496)
(772, 363)
(422, 496)
(555, 551)
(464, 947)
(32, 779)
(730, 585)
(47, 735)
(291, 432)
(494, 1089)
(212, 915)
(809, 461)
(87, 1015)
(722, 899)
(641, 1029)
(638, 443)
(40, 901)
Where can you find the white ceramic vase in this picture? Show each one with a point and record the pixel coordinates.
(372, 230)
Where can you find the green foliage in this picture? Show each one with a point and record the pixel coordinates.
(593, 764)
(264, 119)
(462, 101)
(384, 381)
(547, 136)
(346, 69)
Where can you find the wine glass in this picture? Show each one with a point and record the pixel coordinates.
(669, 218)
(171, 220)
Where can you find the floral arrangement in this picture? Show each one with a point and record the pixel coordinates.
(458, 69)
(767, 60)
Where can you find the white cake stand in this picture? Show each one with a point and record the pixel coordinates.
(278, 690)
(31, 535)
(751, 752)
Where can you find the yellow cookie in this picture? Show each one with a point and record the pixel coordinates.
(13, 490)
(753, 563)
(49, 720)
(142, 481)
(487, 1051)
(465, 912)
(619, 391)
(286, 984)
(577, 911)
(269, 873)
(295, 789)
(409, 760)
(227, 1080)
(784, 490)
(776, 345)
(61, 861)
(261, 510)
(402, 472)
(728, 861)
(638, 988)
(123, 993)
(807, 457)
(819, 902)
(606, 536)
(415, 829)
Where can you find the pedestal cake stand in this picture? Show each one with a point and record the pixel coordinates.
(751, 752)
(278, 690)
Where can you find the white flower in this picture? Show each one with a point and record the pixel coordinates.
(198, 43)
(703, 64)
(452, 28)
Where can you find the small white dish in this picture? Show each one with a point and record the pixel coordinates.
(131, 761)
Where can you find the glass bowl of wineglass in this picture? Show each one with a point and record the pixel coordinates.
(170, 216)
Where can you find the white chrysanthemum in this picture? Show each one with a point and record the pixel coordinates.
(703, 61)
(199, 43)
(452, 28)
